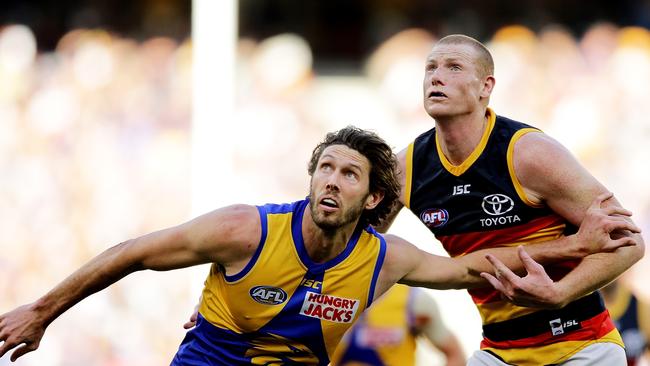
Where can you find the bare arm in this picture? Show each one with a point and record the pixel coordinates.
(407, 264)
(227, 236)
(593, 236)
(560, 182)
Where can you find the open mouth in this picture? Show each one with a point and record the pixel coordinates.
(437, 94)
(328, 202)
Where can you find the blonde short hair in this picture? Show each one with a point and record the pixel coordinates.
(484, 59)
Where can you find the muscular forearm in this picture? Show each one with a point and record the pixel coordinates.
(547, 252)
(99, 273)
(594, 272)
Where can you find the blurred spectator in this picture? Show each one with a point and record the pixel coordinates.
(97, 132)
(93, 133)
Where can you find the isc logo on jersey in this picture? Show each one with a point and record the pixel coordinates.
(332, 308)
(268, 295)
(434, 217)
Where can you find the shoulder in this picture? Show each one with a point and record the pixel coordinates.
(233, 216)
(544, 166)
(401, 256)
(232, 231)
(536, 148)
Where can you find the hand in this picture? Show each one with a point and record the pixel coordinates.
(595, 232)
(536, 289)
(22, 327)
(192, 322)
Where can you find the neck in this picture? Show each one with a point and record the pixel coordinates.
(324, 245)
(459, 135)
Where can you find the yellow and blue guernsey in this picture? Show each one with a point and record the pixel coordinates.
(282, 308)
(385, 334)
(624, 309)
(481, 204)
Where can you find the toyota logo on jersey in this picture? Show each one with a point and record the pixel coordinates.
(497, 204)
(434, 217)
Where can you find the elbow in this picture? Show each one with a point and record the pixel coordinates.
(639, 251)
(128, 258)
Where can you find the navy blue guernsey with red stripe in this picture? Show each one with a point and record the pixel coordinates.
(483, 200)
(481, 204)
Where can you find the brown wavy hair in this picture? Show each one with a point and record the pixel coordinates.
(383, 167)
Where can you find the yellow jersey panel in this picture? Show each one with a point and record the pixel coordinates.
(282, 307)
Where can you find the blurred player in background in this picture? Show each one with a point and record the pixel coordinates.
(632, 318)
(386, 333)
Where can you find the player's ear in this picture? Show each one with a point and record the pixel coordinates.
(373, 199)
(487, 87)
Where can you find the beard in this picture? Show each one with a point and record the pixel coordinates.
(333, 222)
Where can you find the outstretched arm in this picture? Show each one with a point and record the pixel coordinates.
(227, 236)
(593, 236)
(408, 264)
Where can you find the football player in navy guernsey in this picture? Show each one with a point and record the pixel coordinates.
(287, 280)
(479, 180)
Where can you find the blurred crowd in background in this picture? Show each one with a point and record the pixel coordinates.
(95, 149)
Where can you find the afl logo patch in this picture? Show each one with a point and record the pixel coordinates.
(434, 217)
(497, 204)
(268, 295)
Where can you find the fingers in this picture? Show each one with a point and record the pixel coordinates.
(25, 348)
(493, 281)
(501, 270)
(193, 317)
(6, 345)
(610, 210)
(529, 263)
(620, 223)
(616, 210)
(619, 243)
(597, 202)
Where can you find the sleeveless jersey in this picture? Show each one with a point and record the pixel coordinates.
(283, 308)
(384, 335)
(624, 311)
(481, 204)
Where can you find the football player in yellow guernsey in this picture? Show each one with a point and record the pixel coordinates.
(479, 180)
(288, 280)
(386, 333)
